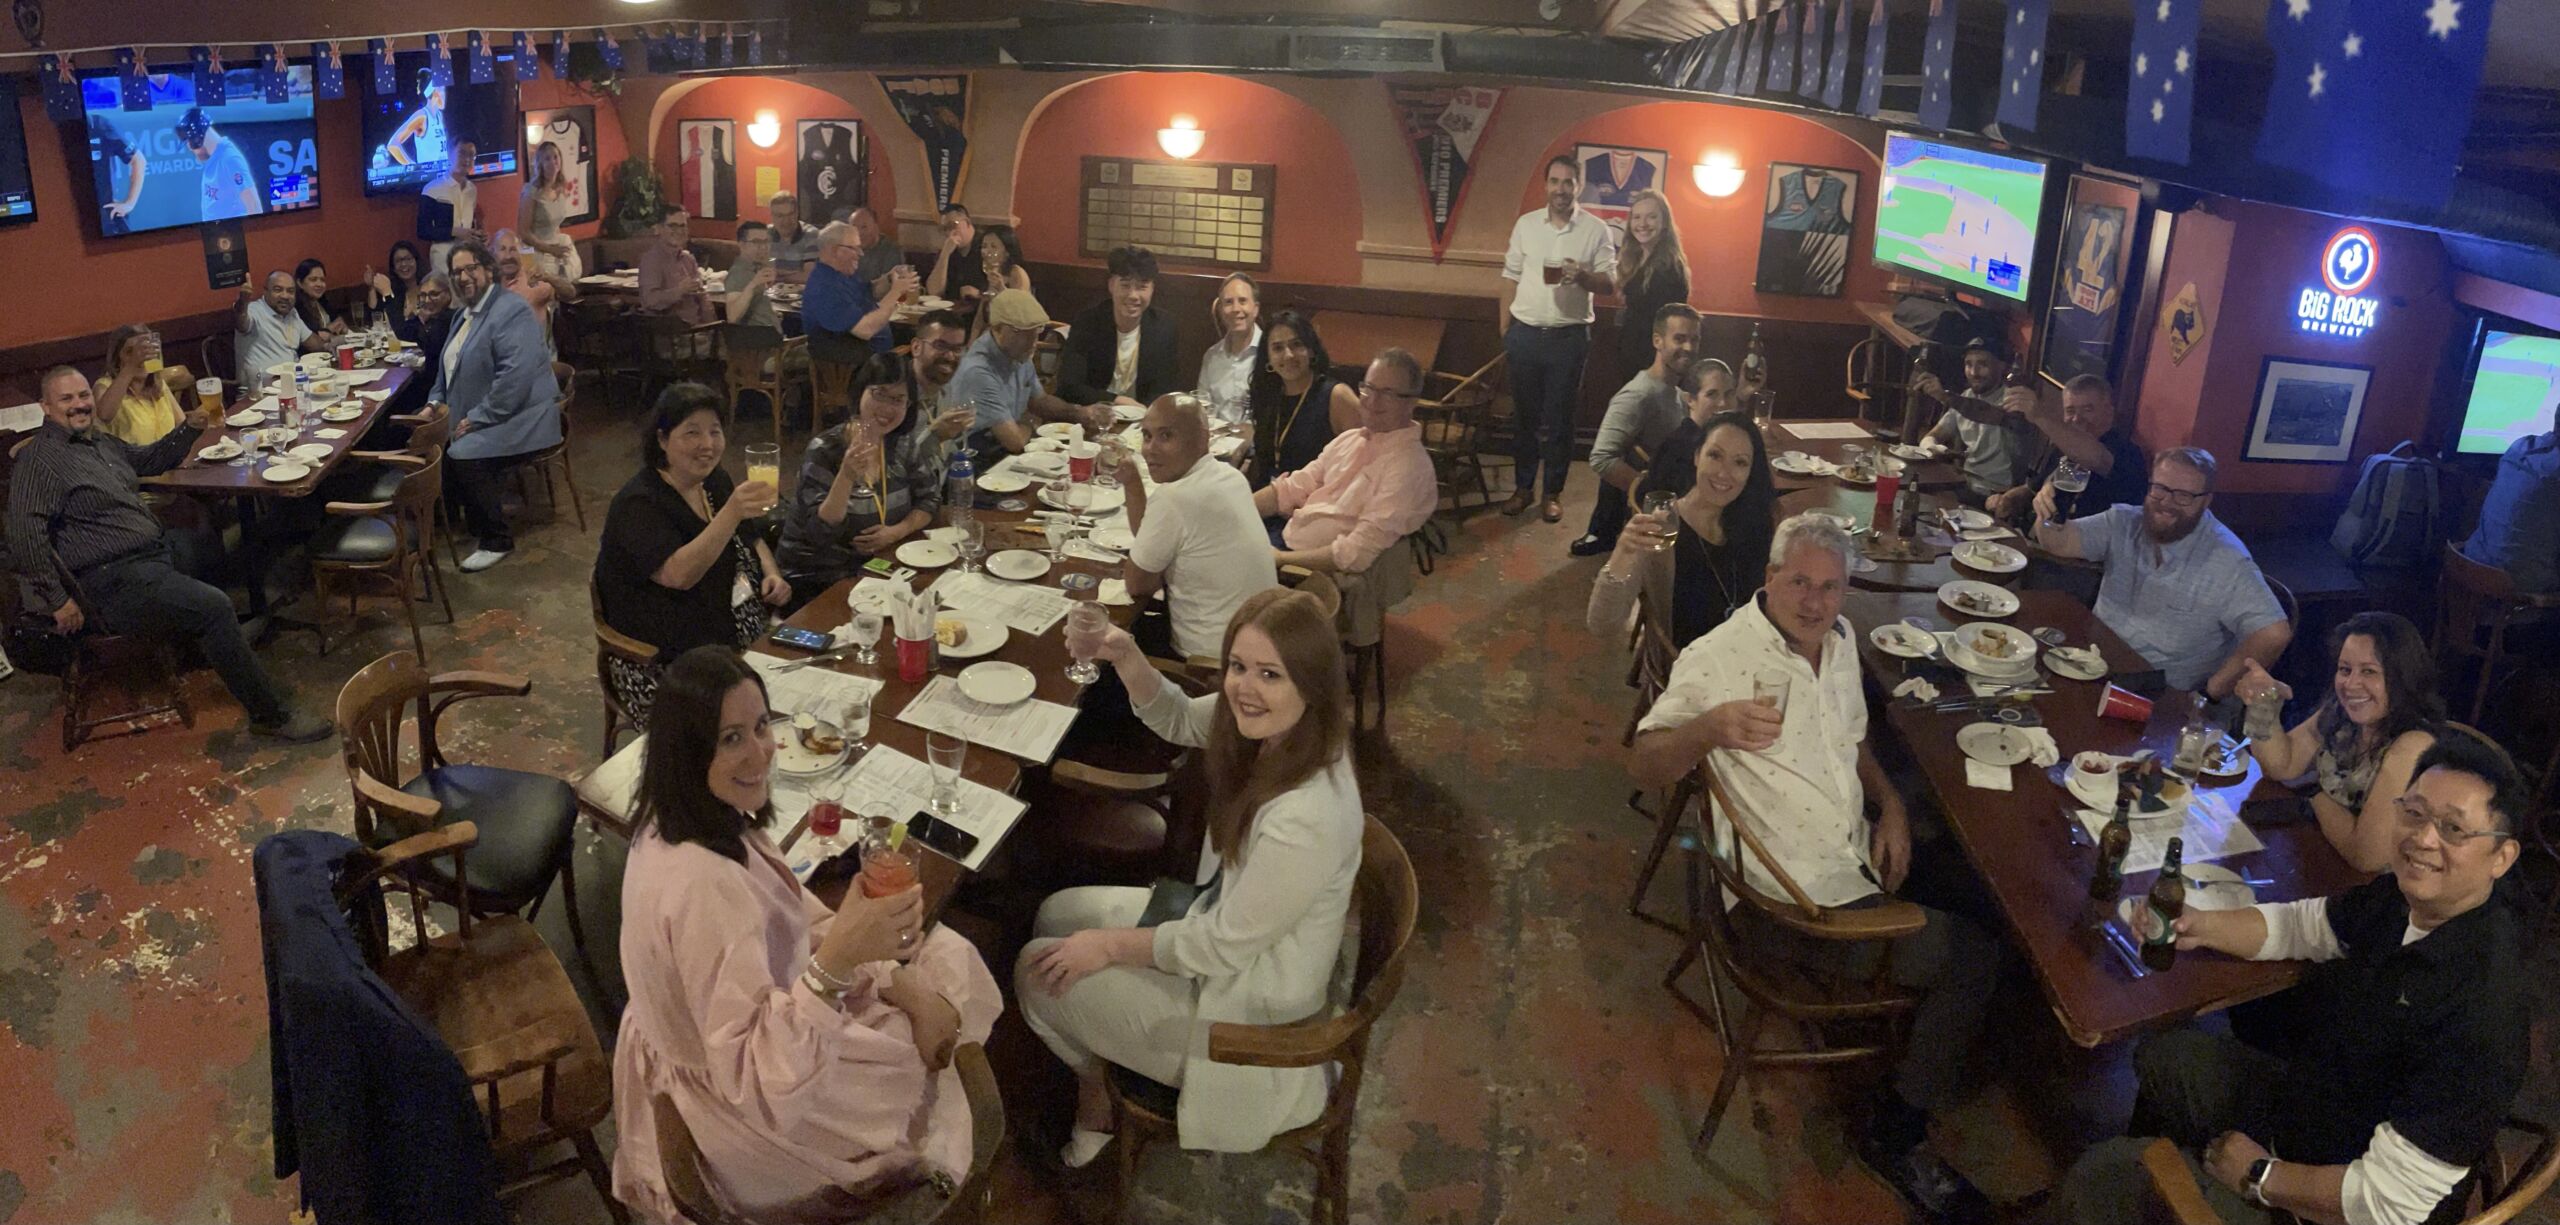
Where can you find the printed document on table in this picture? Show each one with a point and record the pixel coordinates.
(1029, 729)
(814, 690)
(2211, 830)
(1828, 431)
(889, 783)
(1027, 607)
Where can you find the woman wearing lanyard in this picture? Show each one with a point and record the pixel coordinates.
(861, 491)
(1298, 406)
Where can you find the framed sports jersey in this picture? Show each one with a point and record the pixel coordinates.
(834, 178)
(571, 130)
(707, 168)
(1805, 226)
(1611, 177)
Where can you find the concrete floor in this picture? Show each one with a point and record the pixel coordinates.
(1532, 1069)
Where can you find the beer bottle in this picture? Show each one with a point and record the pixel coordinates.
(1755, 362)
(2168, 901)
(2114, 841)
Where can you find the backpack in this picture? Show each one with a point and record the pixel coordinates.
(2395, 516)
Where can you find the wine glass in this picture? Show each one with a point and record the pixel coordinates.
(866, 633)
(1087, 622)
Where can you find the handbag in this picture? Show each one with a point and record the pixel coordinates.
(1169, 899)
(33, 644)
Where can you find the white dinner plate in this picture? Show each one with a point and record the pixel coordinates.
(245, 417)
(2210, 886)
(1041, 463)
(1993, 744)
(1020, 565)
(1128, 412)
(311, 452)
(225, 449)
(342, 412)
(1046, 442)
(1988, 648)
(1114, 537)
(1991, 556)
(1795, 463)
(2099, 793)
(927, 554)
(1104, 501)
(986, 637)
(997, 683)
(284, 473)
(1895, 638)
(790, 756)
(1978, 599)
(2015, 672)
(1904, 450)
(2076, 663)
(1004, 482)
(1836, 518)
(1061, 430)
(1971, 520)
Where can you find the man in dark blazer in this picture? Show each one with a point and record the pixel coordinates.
(1120, 350)
(495, 375)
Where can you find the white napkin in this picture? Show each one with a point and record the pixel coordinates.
(1090, 551)
(2040, 746)
(1987, 777)
(1917, 687)
(1994, 532)
(944, 535)
(1114, 591)
(328, 433)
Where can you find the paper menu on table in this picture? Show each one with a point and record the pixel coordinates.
(1029, 730)
(887, 782)
(1828, 431)
(816, 690)
(1027, 607)
(2211, 830)
(21, 416)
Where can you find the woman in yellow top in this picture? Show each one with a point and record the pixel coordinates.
(134, 400)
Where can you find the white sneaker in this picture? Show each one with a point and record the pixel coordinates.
(481, 559)
(1082, 1147)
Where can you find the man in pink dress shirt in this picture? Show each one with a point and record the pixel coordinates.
(1368, 489)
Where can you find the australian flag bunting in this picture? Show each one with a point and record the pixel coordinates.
(212, 88)
(755, 46)
(1753, 49)
(560, 54)
(2374, 97)
(1835, 73)
(1938, 66)
(2022, 63)
(1782, 53)
(525, 65)
(476, 59)
(1871, 85)
(273, 84)
(133, 88)
(609, 49)
(328, 72)
(1809, 59)
(439, 64)
(61, 88)
(2160, 97)
(385, 81)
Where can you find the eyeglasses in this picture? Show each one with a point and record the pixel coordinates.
(2449, 828)
(1393, 393)
(2179, 498)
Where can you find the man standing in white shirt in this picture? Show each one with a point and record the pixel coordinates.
(1198, 536)
(1800, 773)
(1560, 256)
(1226, 370)
(458, 192)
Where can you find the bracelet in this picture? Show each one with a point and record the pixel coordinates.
(1615, 579)
(834, 984)
(811, 979)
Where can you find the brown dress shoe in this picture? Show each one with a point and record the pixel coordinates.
(1516, 503)
(1554, 511)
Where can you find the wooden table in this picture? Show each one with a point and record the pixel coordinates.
(1933, 564)
(2020, 843)
(1354, 338)
(1930, 475)
(218, 478)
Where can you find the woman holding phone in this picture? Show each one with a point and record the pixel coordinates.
(808, 1049)
(1256, 944)
(2363, 742)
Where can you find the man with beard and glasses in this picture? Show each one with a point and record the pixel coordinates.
(932, 358)
(2179, 587)
(1640, 417)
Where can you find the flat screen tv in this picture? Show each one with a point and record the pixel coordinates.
(1963, 216)
(178, 163)
(2515, 389)
(17, 183)
(410, 133)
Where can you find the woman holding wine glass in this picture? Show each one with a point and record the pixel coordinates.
(861, 491)
(808, 1048)
(1257, 943)
(1713, 517)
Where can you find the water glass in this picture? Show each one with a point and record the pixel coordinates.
(1087, 623)
(1059, 533)
(866, 633)
(1769, 688)
(973, 541)
(856, 722)
(1079, 499)
(945, 754)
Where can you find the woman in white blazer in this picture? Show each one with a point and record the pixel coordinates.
(1258, 944)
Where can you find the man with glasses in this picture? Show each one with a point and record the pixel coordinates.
(670, 278)
(495, 376)
(933, 357)
(2416, 1049)
(1001, 386)
(1369, 489)
(1640, 417)
(2179, 588)
(845, 320)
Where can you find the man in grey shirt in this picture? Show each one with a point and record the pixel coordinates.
(2179, 587)
(1641, 415)
(880, 253)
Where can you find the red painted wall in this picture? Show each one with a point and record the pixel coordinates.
(1316, 221)
(71, 282)
(738, 99)
(1722, 236)
(2252, 318)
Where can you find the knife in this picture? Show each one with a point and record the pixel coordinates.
(821, 657)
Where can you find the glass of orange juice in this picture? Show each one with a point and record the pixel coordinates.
(764, 463)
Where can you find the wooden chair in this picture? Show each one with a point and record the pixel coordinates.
(830, 393)
(1453, 424)
(556, 456)
(672, 350)
(217, 356)
(1365, 599)
(388, 544)
(127, 663)
(1387, 901)
(2476, 600)
(750, 350)
(612, 644)
(524, 820)
(500, 1001)
(1123, 809)
(1772, 991)
(1047, 352)
(2505, 1188)
(681, 1162)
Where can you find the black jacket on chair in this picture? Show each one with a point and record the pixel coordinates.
(370, 1107)
(1093, 348)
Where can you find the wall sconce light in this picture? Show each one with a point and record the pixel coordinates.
(532, 135)
(1183, 139)
(1717, 175)
(765, 130)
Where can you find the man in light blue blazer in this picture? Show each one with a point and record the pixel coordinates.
(496, 378)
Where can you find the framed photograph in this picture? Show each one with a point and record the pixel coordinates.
(2307, 411)
(1611, 177)
(833, 181)
(1805, 222)
(2083, 323)
(571, 130)
(707, 168)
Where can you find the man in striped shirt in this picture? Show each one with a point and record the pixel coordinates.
(89, 550)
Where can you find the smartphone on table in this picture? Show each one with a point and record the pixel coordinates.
(806, 640)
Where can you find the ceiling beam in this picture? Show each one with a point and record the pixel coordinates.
(1572, 15)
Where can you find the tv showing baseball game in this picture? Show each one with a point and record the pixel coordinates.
(410, 133)
(2515, 389)
(1964, 216)
(176, 162)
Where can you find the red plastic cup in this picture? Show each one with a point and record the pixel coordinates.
(825, 818)
(1888, 484)
(2118, 702)
(915, 659)
(346, 357)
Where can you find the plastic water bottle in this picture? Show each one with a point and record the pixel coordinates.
(960, 484)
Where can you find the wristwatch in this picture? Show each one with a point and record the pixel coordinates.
(2256, 1192)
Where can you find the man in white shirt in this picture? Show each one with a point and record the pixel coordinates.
(1800, 772)
(2414, 1054)
(1199, 538)
(1560, 256)
(269, 332)
(462, 195)
(1226, 370)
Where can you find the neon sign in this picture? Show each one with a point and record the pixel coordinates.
(2337, 306)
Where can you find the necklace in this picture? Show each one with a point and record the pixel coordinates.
(1294, 410)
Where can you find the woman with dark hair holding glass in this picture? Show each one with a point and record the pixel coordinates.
(679, 567)
(1257, 943)
(1723, 512)
(310, 289)
(2363, 743)
(861, 491)
(999, 267)
(388, 293)
(1297, 404)
(807, 1049)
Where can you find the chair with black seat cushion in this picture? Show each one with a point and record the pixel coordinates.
(388, 545)
(525, 820)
